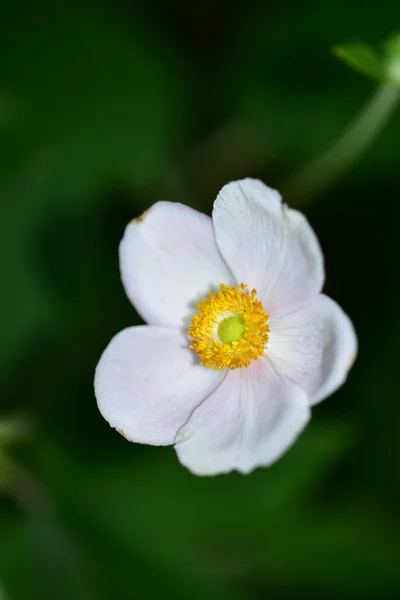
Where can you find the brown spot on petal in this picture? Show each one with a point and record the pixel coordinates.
(122, 432)
(142, 217)
(352, 359)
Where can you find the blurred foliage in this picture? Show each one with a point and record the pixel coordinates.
(361, 58)
(104, 108)
(393, 59)
(382, 66)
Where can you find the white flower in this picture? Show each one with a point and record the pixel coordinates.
(228, 372)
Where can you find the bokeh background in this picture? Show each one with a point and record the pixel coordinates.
(106, 107)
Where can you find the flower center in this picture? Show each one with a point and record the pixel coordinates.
(230, 328)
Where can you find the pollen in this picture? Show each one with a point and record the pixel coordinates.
(230, 328)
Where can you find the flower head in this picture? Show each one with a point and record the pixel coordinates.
(240, 342)
(230, 328)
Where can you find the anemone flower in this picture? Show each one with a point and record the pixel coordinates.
(239, 341)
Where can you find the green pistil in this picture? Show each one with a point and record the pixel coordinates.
(231, 329)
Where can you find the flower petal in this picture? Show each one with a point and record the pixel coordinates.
(268, 246)
(148, 382)
(314, 346)
(169, 261)
(250, 420)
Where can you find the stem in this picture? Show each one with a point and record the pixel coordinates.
(347, 149)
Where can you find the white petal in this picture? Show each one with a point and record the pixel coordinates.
(315, 346)
(169, 261)
(249, 421)
(268, 246)
(148, 382)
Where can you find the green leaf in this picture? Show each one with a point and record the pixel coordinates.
(361, 58)
(392, 52)
(287, 91)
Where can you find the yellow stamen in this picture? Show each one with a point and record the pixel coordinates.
(230, 329)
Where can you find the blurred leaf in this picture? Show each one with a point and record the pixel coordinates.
(392, 50)
(282, 81)
(361, 58)
(13, 429)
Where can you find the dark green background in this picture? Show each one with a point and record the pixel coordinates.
(105, 108)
